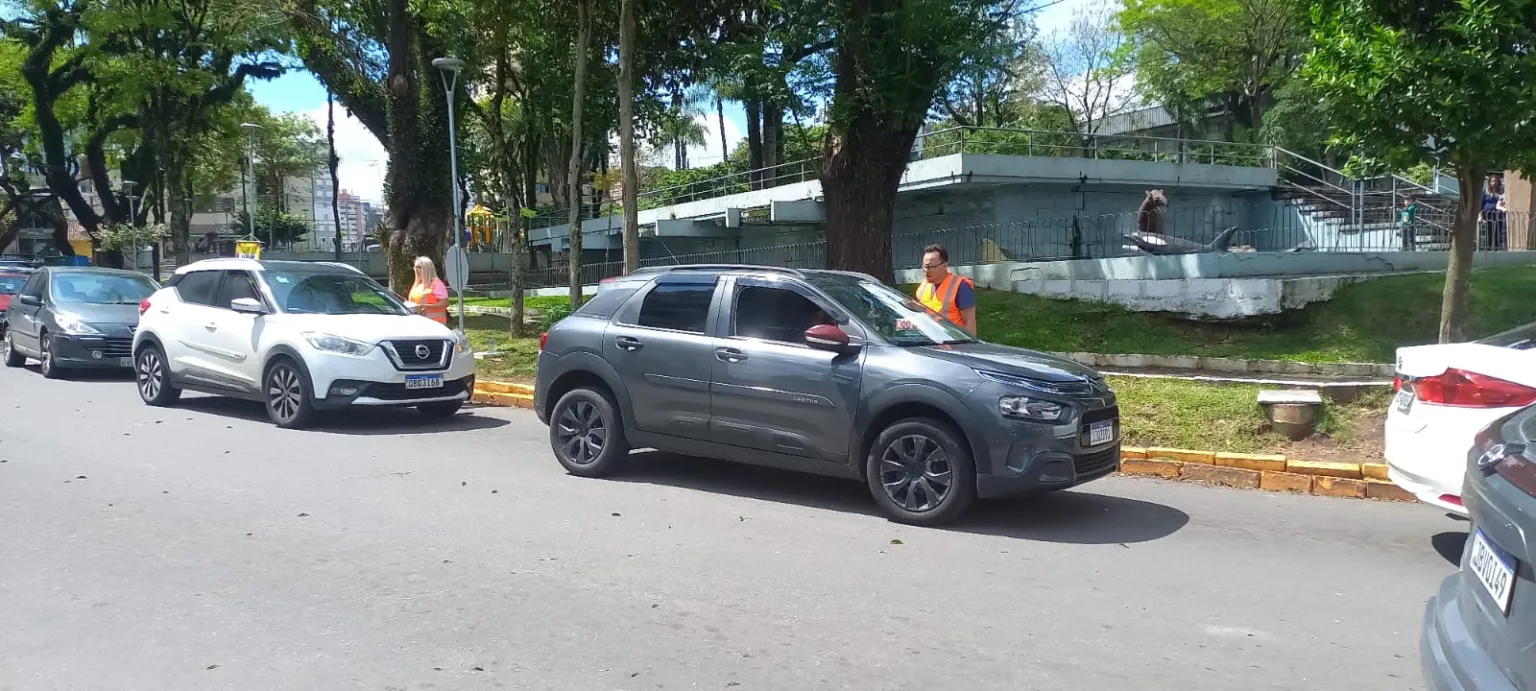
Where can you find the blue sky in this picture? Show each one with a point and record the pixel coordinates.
(363, 159)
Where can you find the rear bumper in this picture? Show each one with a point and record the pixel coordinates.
(1048, 471)
(1448, 654)
(1425, 490)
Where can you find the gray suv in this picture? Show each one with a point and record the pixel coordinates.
(1480, 629)
(819, 371)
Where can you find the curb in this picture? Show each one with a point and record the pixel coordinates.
(1232, 365)
(504, 394)
(1274, 473)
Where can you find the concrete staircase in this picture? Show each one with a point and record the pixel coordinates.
(1344, 212)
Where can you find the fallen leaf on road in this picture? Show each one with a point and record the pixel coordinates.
(895, 541)
(303, 515)
(211, 667)
(615, 513)
(80, 477)
(477, 669)
(495, 491)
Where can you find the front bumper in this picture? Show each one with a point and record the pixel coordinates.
(1048, 470)
(350, 392)
(1448, 653)
(1029, 457)
(329, 372)
(91, 351)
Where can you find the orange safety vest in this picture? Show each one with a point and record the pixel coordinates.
(432, 307)
(941, 298)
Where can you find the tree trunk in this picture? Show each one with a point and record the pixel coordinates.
(725, 148)
(773, 130)
(418, 209)
(332, 161)
(863, 165)
(629, 178)
(754, 136)
(1458, 274)
(521, 226)
(578, 95)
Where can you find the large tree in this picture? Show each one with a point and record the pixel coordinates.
(1405, 82)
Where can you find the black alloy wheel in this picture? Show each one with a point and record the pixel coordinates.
(286, 389)
(153, 378)
(921, 473)
(586, 433)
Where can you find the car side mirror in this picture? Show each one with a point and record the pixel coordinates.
(248, 306)
(827, 337)
(30, 300)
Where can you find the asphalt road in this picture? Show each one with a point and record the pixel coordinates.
(201, 548)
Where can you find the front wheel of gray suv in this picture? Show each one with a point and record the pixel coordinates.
(921, 472)
(586, 433)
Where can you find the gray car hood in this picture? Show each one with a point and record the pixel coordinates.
(100, 314)
(1016, 361)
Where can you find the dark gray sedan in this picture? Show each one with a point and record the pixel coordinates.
(1480, 630)
(75, 317)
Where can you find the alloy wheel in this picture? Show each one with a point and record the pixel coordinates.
(582, 433)
(285, 394)
(916, 473)
(151, 375)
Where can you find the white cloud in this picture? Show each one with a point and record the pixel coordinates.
(363, 158)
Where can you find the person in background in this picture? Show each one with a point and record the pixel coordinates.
(429, 295)
(1406, 223)
(951, 295)
(1494, 214)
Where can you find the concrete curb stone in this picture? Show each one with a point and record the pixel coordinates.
(1269, 472)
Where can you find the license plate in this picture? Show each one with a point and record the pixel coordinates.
(1494, 568)
(125, 362)
(1404, 400)
(415, 382)
(1101, 432)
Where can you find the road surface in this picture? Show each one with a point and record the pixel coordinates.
(201, 548)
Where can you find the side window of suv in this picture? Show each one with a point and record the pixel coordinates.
(237, 285)
(198, 287)
(774, 314)
(677, 306)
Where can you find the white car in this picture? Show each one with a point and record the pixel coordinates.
(1446, 394)
(300, 337)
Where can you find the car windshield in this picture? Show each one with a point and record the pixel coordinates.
(898, 318)
(330, 292)
(11, 285)
(100, 288)
(1518, 338)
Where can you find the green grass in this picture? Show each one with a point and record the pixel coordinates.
(530, 302)
(1364, 322)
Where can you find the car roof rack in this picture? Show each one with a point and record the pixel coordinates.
(716, 267)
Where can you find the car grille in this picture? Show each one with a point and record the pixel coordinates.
(1100, 415)
(408, 355)
(118, 347)
(1094, 465)
(398, 392)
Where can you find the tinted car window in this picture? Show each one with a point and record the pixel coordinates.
(198, 287)
(330, 292)
(1518, 338)
(774, 314)
(237, 285)
(34, 285)
(898, 318)
(605, 303)
(677, 306)
(100, 288)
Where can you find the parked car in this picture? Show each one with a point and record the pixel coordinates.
(10, 285)
(1445, 394)
(75, 318)
(1480, 629)
(300, 337)
(820, 371)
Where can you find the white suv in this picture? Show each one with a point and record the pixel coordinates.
(298, 336)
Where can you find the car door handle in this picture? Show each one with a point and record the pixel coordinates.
(628, 343)
(212, 326)
(729, 355)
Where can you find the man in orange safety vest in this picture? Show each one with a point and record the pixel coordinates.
(951, 295)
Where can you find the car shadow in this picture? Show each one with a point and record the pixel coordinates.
(1078, 516)
(1449, 546)
(109, 375)
(372, 422)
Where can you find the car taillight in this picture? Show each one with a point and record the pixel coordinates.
(143, 306)
(1472, 390)
(543, 338)
(1451, 499)
(1397, 383)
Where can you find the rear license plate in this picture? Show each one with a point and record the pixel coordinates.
(1494, 568)
(1404, 400)
(125, 362)
(1102, 432)
(415, 382)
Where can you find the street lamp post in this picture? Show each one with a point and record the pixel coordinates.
(451, 68)
(250, 167)
(133, 217)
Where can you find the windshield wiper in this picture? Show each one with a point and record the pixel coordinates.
(958, 341)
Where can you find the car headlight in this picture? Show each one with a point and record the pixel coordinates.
(460, 342)
(1026, 408)
(70, 324)
(337, 344)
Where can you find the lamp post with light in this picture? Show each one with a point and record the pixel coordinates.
(451, 68)
(250, 130)
(133, 217)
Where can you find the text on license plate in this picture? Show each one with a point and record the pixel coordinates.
(1494, 568)
(125, 362)
(1102, 432)
(1404, 400)
(414, 382)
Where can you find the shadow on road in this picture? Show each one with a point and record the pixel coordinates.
(373, 422)
(1074, 516)
(1450, 545)
(104, 375)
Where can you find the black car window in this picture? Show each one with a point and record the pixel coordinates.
(774, 314)
(607, 300)
(677, 306)
(93, 288)
(34, 286)
(198, 287)
(1518, 338)
(237, 285)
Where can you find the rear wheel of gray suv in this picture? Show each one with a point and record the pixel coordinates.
(921, 473)
(587, 434)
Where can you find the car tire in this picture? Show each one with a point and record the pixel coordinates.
(286, 392)
(49, 368)
(440, 411)
(153, 377)
(587, 434)
(13, 357)
(921, 472)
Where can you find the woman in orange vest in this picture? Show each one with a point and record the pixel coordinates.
(951, 295)
(429, 295)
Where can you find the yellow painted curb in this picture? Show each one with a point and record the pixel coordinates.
(1269, 472)
(1132, 453)
(1382, 489)
(1168, 470)
(1374, 471)
(1324, 469)
(1250, 461)
(513, 400)
(1184, 455)
(503, 387)
(1325, 486)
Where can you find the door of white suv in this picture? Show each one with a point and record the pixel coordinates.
(183, 325)
(231, 337)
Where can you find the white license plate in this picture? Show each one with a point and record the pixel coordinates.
(1494, 568)
(125, 362)
(1404, 400)
(415, 382)
(1101, 432)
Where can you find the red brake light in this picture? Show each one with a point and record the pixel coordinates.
(143, 306)
(543, 338)
(1397, 383)
(1472, 390)
(1451, 499)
